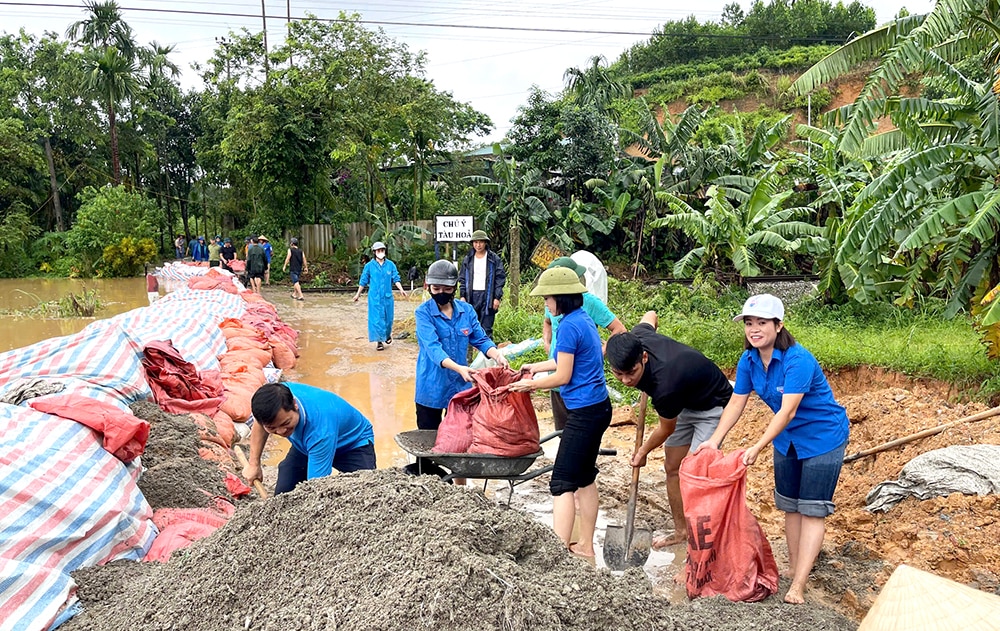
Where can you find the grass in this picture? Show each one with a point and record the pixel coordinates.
(919, 342)
(82, 305)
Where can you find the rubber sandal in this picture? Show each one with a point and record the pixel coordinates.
(388, 341)
(379, 347)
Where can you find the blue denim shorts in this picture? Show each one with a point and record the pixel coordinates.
(806, 486)
(294, 277)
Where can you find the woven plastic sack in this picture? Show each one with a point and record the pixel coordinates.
(504, 422)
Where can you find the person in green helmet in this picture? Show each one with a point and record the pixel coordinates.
(579, 372)
(481, 281)
(598, 312)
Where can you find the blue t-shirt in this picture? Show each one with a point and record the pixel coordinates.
(578, 336)
(327, 425)
(820, 423)
(267, 251)
(441, 338)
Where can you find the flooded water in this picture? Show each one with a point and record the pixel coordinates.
(117, 295)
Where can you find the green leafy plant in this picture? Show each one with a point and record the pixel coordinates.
(127, 257)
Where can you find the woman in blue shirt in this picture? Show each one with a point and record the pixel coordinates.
(809, 430)
(579, 373)
(445, 329)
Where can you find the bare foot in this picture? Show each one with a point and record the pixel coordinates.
(665, 541)
(580, 550)
(794, 596)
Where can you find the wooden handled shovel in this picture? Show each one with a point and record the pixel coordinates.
(243, 462)
(626, 547)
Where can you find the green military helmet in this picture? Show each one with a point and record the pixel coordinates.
(479, 235)
(568, 263)
(558, 281)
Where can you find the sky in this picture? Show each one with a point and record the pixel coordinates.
(490, 68)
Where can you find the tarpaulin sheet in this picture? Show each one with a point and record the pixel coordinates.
(179, 271)
(65, 503)
(104, 356)
(966, 469)
(188, 318)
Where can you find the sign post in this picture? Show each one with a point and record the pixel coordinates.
(451, 229)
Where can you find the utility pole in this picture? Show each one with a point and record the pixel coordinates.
(263, 18)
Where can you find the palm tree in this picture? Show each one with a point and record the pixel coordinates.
(110, 69)
(113, 77)
(934, 210)
(595, 86)
(105, 27)
(519, 199)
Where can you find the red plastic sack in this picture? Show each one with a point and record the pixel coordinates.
(728, 553)
(455, 432)
(124, 435)
(504, 423)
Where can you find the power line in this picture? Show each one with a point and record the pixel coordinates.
(523, 29)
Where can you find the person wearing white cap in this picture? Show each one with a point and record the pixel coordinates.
(808, 431)
(379, 275)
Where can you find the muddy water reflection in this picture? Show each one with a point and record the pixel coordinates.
(117, 295)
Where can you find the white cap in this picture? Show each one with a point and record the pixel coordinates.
(762, 306)
(378, 245)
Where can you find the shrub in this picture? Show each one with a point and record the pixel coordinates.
(127, 257)
(106, 217)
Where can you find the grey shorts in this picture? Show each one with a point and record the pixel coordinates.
(694, 427)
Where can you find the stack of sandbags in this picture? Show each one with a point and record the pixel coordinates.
(214, 279)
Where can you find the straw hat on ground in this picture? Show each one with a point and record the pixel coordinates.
(913, 600)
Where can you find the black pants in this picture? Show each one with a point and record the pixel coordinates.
(559, 411)
(428, 418)
(483, 304)
(295, 467)
(576, 461)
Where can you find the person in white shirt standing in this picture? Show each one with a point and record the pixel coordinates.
(481, 281)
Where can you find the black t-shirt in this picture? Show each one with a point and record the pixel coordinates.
(295, 261)
(678, 377)
(228, 252)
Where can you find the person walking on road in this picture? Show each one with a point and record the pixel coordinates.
(295, 262)
(379, 275)
(445, 329)
(481, 280)
(688, 392)
(266, 245)
(256, 264)
(579, 371)
(808, 432)
(325, 431)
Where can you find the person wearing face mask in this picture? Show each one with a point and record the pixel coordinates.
(808, 432)
(445, 328)
(379, 275)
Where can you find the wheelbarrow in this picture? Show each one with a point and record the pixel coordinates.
(514, 471)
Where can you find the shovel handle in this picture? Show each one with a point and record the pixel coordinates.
(640, 430)
(243, 462)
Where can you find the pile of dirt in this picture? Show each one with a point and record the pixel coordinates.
(175, 475)
(383, 550)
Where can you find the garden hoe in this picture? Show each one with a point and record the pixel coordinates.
(628, 546)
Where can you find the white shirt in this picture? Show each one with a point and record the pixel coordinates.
(479, 273)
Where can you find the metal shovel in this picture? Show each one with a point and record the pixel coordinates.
(627, 546)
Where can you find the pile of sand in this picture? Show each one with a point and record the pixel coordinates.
(383, 550)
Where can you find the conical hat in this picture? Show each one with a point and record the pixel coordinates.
(913, 600)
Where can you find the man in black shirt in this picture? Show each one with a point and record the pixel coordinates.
(688, 392)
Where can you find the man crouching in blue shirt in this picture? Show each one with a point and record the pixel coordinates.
(326, 433)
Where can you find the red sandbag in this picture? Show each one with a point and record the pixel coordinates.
(225, 427)
(281, 355)
(124, 435)
(180, 527)
(454, 435)
(237, 405)
(177, 385)
(504, 423)
(253, 356)
(245, 343)
(728, 553)
(236, 487)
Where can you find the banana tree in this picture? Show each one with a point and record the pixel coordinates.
(731, 236)
(934, 210)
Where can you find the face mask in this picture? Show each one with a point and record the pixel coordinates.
(380, 255)
(443, 298)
